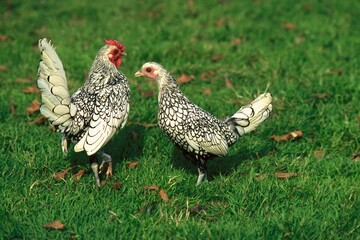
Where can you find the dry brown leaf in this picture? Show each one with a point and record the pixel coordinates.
(355, 156)
(318, 154)
(207, 75)
(283, 175)
(116, 185)
(321, 95)
(206, 91)
(197, 209)
(3, 38)
(77, 176)
(132, 164)
(54, 225)
(217, 57)
(237, 41)
(40, 120)
(152, 187)
(24, 80)
(62, 173)
(335, 71)
(32, 89)
(299, 39)
(143, 124)
(147, 93)
(289, 26)
(3, 68)
(229, 84)
(260, 177)
(220, 22)
(185, 78)
(190, 3)
(290, 136)
(35, 106)
(308, 7)
(163, 195)
(12, 108)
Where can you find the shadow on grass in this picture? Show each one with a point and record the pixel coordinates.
(218, 165)
(127, 143)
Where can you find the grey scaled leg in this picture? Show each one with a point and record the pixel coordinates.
(95, 168)
(106, 159)
(202, 174)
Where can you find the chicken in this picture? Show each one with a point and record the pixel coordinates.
(200, 135)
(90, 117)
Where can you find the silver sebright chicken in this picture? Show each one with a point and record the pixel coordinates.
(91, 116)
(200, 135)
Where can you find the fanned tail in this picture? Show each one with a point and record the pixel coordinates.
(53, 85)
(248, 117)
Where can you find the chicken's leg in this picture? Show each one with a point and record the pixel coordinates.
(106, 158)
(95, 168)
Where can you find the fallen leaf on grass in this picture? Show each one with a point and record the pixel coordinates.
(220, 22)
(40, 120)
(290, 136)
(54, 225)
(143, 124)
(147, 93)
(3, 68)
(229, 84)
(31, 89)
(77, 176)
(237, 41)
(217, 57)
(3, 38)
(163, 195)
(356, 156)
(197, 209)
(321, 95)
(318, 154)
(12, 108)
(207, 75)
(289, 26)
(23, 80)
(185, 78)
(206, 91)
(152, 187)
(283, 175)
(335, 71)
(116, 185)
(299, 39)
(132, 164)
(260, 177)
(62, 173)
(35, 106)
(308, 7)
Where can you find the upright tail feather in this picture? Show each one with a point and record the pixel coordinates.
(53, 85)
(248, 117)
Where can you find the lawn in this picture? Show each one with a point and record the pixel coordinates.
(306, 53)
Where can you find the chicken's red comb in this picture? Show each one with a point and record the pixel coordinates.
(115, 43)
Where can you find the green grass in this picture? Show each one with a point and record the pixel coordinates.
(244, 199)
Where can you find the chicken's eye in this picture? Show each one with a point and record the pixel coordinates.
(116, 52)
(148, 70)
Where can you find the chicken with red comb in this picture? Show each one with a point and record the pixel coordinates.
(91, 116)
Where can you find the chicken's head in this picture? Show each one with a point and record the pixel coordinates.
(116, 51)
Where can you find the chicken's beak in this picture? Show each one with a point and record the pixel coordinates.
(139, 74)
(123, 54)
